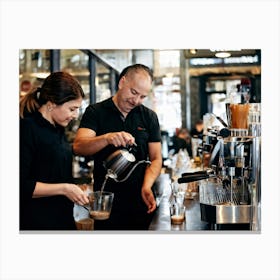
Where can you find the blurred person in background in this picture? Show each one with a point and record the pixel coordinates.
(182, 140)
(47, 192)
(25, 87)
(197, 130)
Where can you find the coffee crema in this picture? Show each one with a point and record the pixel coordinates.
(177, 219)
(100, 215)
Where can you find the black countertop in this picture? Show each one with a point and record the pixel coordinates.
(161, 220)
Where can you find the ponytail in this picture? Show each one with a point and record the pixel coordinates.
(29, 103)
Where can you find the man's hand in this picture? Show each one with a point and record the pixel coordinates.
(121, 138)
(149, 199)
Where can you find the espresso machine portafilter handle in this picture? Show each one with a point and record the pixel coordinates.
(197, 175)
(192, 178)
(201, 172)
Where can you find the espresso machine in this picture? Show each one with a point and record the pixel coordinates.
(230, 179)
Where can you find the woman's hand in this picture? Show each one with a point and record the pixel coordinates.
(76, 194)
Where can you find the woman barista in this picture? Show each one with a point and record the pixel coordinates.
(47, 193)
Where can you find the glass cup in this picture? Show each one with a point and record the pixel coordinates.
(82, 218)
(177, 214)
(84, 224)
(100, 204)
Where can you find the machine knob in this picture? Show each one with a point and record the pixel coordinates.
(224, 132)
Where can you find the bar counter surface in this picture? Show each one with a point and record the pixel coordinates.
(193, 223)
(162, 221)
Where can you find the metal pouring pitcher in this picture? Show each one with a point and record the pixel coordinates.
(120, 162)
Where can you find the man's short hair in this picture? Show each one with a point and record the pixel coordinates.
(135, 68)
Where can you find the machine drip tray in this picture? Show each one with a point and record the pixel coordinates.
(226, 214)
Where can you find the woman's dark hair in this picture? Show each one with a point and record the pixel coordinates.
(58, 87)
(135, 68)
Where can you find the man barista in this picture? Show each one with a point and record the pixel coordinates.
(117, 122)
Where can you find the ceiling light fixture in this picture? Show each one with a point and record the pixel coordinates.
(222, 54)
(40, 75)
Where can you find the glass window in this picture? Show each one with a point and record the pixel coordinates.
(102, 82)
(166, 94)
(166, 97)
(75, 62)
(34, 67)
(119, 59)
